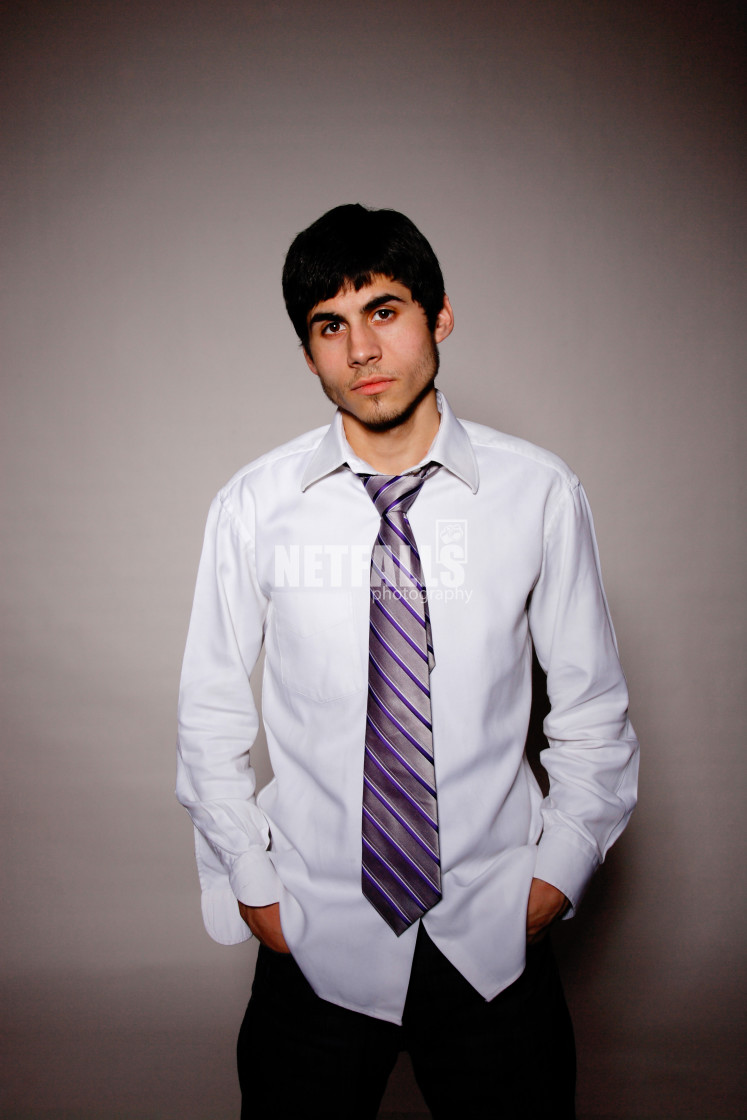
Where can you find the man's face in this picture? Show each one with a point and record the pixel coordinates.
(374, 353)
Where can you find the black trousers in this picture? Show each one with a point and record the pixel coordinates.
(512, 1057)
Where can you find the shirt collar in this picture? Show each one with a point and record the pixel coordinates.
(451, 448)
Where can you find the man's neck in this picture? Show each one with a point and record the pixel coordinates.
(397, 449)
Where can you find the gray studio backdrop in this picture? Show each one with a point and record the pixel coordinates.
(579, 167)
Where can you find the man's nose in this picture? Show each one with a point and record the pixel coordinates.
(363, 345)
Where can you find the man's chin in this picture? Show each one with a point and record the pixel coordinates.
(383, 419)
(380, 420)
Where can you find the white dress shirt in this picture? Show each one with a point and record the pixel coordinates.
(510, 559)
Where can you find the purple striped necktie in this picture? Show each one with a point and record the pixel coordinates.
(401, 874)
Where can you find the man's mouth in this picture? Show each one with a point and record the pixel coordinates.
(372, 385)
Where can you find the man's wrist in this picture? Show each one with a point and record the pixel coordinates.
(254, 880)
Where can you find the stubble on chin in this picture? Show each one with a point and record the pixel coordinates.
(383, 418)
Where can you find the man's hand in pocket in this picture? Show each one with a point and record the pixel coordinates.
(264, 922)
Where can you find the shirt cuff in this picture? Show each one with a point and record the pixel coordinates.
(254, 880)
(567, 863)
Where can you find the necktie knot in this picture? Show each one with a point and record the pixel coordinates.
(394, 494)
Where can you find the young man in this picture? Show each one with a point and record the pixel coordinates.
(402, 868)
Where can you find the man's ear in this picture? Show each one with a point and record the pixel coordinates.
(444, 322)
(310, 362)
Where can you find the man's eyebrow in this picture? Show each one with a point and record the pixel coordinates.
(377, 301)
(325, 317)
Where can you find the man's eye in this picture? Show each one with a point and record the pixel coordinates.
(330, 328)
(383, 313)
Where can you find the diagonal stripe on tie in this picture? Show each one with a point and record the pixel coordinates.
(381, 648)
(401, 875)
(395, 752)
(388, 678)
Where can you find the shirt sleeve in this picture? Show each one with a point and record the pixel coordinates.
(592, 760)
(218, 723)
